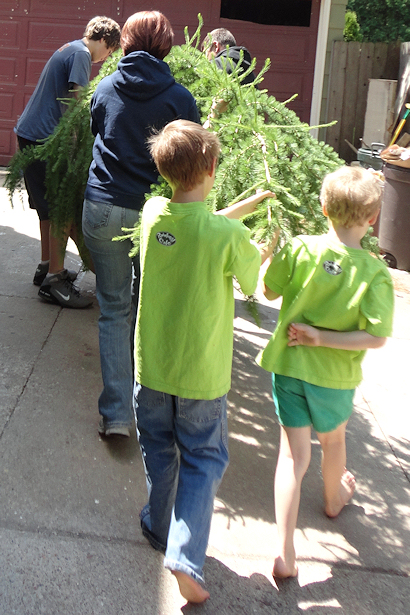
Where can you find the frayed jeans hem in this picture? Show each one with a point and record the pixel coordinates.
(173, 565)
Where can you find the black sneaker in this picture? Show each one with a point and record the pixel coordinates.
(42, 270)
(59, 289)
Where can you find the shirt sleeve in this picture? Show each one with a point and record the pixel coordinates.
(279, 271)
(80, 69)
(377, 305)
(246, 265)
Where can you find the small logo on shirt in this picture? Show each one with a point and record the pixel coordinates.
(332, 268)
(64, 47)
(165, 239)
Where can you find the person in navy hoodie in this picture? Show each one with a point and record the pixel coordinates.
(140, 97)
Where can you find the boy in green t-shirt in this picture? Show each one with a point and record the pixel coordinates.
(337, 302)
(184, 344)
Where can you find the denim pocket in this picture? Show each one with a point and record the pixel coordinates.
(200, 411)
(148, 398)
(96, 215)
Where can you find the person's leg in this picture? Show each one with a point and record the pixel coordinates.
(201, 432)
(293, 461)
(45, 239)
(330, 410)
(58, 288)
(339, 483)
(57, 285)
(34, 180)
(57, 248)
(154, 415)
(113, 268)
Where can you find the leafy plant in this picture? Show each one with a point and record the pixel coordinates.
(382, 20)
(264, 145)
(352, 30)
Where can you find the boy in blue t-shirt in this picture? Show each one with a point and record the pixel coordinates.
(337, 302)
(65, 74)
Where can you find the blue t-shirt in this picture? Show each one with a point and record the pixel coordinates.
(68, 66)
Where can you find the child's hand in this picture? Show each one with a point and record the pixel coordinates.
(218, 107)
(245, 207)
(300, 334)
(264, 194)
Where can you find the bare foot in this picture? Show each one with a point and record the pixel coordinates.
(190, 589)
(282, 570)
(346, 491)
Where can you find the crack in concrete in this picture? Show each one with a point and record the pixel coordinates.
(20, 395)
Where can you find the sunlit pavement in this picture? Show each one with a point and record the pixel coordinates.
(69, 501)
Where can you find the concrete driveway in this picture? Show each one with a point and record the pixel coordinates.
(69, 500)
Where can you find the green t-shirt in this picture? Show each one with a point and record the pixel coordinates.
(184, 331)
(330, 286)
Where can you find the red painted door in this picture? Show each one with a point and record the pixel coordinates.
(33, 29)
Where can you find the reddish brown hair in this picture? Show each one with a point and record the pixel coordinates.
(148, 31)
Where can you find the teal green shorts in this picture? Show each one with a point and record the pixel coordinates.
(300, 404)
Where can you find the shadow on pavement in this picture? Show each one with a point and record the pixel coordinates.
(65, 489)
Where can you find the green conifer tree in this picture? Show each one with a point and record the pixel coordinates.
(264, 145)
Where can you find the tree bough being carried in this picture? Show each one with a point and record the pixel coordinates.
(264, 145)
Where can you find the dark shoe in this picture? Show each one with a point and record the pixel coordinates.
(114, 430)
(153, 541)
(42, 270)
(150, 536)
(59, 289)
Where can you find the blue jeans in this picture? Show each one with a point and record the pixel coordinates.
(117, 277)
(184, 445)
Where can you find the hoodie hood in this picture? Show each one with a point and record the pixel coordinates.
(140, 76)
(234, 54)
(141, 95)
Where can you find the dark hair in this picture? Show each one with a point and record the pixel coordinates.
(148, 31)
(104, 28)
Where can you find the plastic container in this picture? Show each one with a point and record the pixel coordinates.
(369, 156)
(394, 228)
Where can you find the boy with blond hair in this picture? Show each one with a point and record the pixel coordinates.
(337, 302)
(184, 344)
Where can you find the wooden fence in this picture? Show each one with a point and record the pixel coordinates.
(352, 65)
